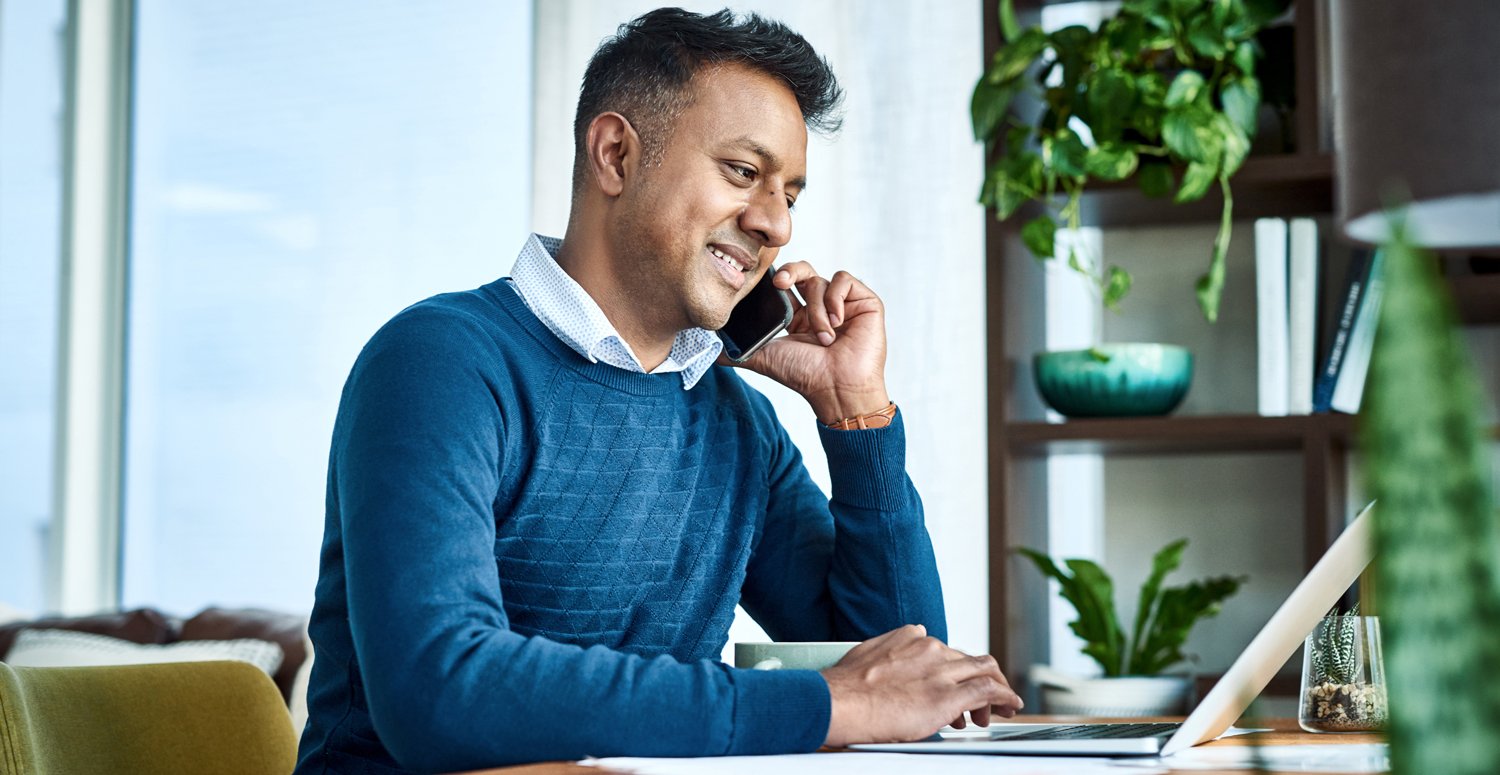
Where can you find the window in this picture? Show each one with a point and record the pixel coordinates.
(31, 108)
(301, 172)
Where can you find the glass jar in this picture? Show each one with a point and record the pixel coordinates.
(1343, 676)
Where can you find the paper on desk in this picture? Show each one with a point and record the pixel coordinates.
(866, 764)
(1357, 757)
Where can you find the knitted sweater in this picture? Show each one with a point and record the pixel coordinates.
(528, 556)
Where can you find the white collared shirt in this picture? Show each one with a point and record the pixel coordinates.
(572, 314)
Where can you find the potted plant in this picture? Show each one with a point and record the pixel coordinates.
(1161, 87)
(1132, 662)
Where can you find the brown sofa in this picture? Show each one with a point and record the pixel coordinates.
(146, 625)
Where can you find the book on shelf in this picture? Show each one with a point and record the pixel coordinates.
(1272, 343)
(1349, 384)
(1356, 278)
(1302, 314)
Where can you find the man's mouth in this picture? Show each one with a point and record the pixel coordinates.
(733, 263)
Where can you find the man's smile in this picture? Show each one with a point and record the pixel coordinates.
(732, 262)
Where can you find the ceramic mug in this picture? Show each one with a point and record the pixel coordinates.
(791, 655)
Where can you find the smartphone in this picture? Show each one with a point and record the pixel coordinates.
(756, 319)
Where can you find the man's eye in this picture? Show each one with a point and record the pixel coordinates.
(743, 172)
(791, 204)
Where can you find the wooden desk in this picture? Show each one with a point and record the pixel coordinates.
(1284, 732)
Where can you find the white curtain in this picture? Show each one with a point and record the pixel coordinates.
(890, 199)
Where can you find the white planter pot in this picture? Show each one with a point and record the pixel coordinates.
(1127, 697)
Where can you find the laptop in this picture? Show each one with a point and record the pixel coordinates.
(1268, 651)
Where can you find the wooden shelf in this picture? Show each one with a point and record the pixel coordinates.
(1283, 186)
(1175, 435)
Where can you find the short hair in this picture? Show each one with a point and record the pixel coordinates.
(644, 73)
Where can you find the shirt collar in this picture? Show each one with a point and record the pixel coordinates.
(573, 316)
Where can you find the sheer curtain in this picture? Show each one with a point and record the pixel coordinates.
(890, 199)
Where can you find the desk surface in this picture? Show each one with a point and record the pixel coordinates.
(1284, 732)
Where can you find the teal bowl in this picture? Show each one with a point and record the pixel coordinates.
(1114, 380)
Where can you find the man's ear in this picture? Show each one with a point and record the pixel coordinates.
(614, 151)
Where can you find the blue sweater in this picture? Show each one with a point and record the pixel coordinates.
(528, 556)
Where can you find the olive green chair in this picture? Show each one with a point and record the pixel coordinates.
(184, 717)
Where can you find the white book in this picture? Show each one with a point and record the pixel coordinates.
(1302, 315)
(1271, 315)
(1349, 391)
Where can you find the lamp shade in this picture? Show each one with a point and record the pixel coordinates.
(1417, 113)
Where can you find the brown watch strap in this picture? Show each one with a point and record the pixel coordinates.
(878, 419)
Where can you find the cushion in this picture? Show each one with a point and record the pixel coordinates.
(60, 648)
(285, 630)
(142, 625)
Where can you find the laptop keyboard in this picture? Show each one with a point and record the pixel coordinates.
(1096, 732)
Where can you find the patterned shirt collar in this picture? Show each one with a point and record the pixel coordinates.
(569, 312)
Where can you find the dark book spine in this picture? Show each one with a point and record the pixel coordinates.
(1354, 285)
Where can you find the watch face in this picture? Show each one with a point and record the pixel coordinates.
(757, 319)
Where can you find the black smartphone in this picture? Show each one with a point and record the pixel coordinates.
(756, 319)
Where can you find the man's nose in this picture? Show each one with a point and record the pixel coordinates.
(768, 218)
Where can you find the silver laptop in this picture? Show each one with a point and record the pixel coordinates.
(1271, 648)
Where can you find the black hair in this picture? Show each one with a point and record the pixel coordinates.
(645, 70)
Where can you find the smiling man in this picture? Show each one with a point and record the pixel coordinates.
(545, 498)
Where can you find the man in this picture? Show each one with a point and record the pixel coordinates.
(545, 499)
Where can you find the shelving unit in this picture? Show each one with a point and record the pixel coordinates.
(1295, 184)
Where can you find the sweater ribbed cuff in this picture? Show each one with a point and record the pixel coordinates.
(779, 711)
(868, 467)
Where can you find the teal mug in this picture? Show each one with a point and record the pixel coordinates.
(791, 655)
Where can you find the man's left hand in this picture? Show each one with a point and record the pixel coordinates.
(834, 351)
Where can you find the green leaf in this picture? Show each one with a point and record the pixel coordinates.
(1206, 37)
(1111, 96)
(1012, 60)
(1245, 56)
(1241, 99)
(1009, 28)
(1072, 44)
(1165, 561)
(1236, 145)
(1185, 88)
(1181, 8)
(1151, 89)
(1068, 154)
(1116, 287)
(1020, 182)
(1126, 35)
(1040, 234)
(989, 106)
(1015, 140)
(1195, 182)
(1178, 609)
(989, 191)
(1155, 179)
(1097, 624)
(1111, 161)
(1189, 133)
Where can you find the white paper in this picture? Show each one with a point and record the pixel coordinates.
(868, 764)
(1352, 758)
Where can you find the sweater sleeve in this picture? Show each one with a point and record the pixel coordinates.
(848, 567)
(417, 459)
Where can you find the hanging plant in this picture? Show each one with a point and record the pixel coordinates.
(1164, 91)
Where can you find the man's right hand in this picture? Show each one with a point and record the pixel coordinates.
(905, 685)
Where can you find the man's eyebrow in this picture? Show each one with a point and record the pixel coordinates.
(770, 159)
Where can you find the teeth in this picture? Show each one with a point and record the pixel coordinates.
(725, 258)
